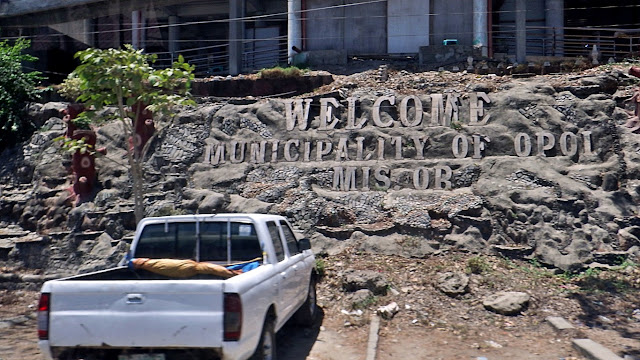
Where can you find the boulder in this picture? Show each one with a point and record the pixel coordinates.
(453, 283)
(507, 302)
(243, 205)
(361, 299)
(354, 280)
(211, 203)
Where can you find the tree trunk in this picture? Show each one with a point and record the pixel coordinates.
(138, 190)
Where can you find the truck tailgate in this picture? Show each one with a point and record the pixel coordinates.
(144, 313)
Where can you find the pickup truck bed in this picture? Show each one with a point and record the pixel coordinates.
(128, 314)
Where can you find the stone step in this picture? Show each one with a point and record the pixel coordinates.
(155, 196)
(59, 235)
(12, 233)
(563, 327)
(594, 351)
(88, 235)
(610, 257)
(15, 198)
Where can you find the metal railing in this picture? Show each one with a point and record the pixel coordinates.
(264, 53)
(214, 60)
(572, 41)
(208, 60)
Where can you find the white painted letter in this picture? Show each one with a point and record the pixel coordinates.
(351, 115)
(380, 148)
(479, 142)
(382, 176)
(476, 108)
(586, 136)
(437, 109)
(274, 150)
(397, 141)
(518, 145)
(327, 120)
(451, 110)
(299, 113)
(404, 116)
(460, 146)
(287, 150)
(421, 173)
(376, 111)
(323, 150)
(419, 142)
(544, 145)
(233, 154)
(342, 181)
(214, 157)
(569, 144)
(443, 182)
(366, 172)
(258, 152)
(342, 152)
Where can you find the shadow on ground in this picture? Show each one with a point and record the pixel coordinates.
(608, 303)
(295, 342)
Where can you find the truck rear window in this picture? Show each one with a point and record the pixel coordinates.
(178, 241)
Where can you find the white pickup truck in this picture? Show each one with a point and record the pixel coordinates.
(125, 313)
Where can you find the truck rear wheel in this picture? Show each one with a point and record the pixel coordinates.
(266, 349)
(308, 312)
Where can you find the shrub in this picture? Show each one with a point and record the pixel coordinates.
(70, 87)
(478, 265)
(280, 72)
(17, 88)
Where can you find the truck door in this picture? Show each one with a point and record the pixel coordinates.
(297, 263)
(285, 273)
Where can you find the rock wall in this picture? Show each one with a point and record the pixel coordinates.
(523, 168)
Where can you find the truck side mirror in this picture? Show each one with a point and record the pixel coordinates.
(304, 244)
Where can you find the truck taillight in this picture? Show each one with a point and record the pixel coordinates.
(43, 316)
(232, 317)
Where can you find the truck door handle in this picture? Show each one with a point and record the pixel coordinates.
(135, 298)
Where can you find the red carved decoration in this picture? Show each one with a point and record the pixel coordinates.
(144, 128)
(82, 165)
(634, 119)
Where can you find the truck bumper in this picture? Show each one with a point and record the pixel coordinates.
(236, 351)
(45, 349)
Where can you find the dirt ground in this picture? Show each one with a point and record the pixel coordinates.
(602, 305)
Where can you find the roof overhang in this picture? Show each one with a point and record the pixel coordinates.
(47, 12)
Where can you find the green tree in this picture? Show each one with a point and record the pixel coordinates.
(122, 78)
(17, 88)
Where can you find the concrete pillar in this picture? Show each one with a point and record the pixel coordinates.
(89, 36)
(236, 35)
(174, 36)
(554, 14)
(521, 31)
(294, 27)
(480, 29)
(137, 29)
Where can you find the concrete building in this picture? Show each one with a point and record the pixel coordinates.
(234, 36)
(205, 32)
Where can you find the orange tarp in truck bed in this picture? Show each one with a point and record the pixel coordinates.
(181, 268)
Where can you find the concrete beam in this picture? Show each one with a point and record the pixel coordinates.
(174, 36)
(480, 26)
(236, 35)
(89, 35)
(294, 28)
(554, 14)
(521, 31)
